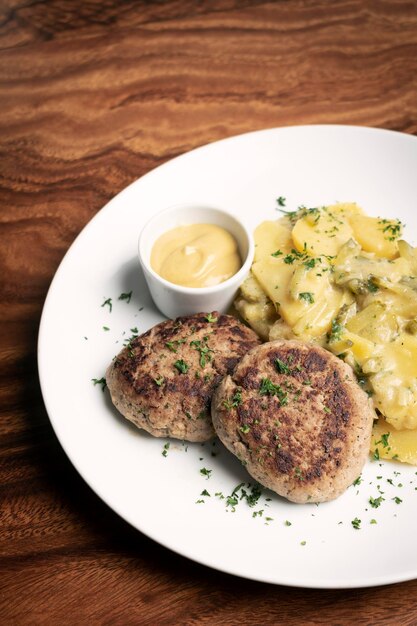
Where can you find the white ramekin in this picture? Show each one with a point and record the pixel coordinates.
(173, 300)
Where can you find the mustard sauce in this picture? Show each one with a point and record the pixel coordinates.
(196, 255)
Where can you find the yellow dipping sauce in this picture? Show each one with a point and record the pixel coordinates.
(196, 255)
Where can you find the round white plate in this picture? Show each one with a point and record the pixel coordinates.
(157, 488)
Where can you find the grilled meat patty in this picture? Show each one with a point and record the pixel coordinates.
(295, 416)
(163, 381)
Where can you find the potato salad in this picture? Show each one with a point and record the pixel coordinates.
(337, 277)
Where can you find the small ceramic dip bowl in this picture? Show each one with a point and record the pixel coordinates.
(174, 300)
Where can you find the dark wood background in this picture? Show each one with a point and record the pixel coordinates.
(93, 95)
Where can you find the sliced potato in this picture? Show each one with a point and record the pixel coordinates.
(271, 238)
(389, 443)
(377, 235)
(323, 232)
(374, 323)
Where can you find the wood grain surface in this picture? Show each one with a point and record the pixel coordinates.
(94, 94)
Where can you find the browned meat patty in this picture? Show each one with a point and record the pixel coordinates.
(295, 416)
(163, 381)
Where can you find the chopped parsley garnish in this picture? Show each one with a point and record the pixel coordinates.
(392, 229)
(244, 428)
(108, 303)
(181, 366)
(282, 367)
(126, 296)
(290, 258)
(173, 345)
(376, 502)
(159, 381)
(356, 523)
(281, 201)
(211, 318)
(383, 440)
(203, 349)
(357, 481)
(307, 296)
(205, 472)
(205, 493)
(310, 263)
(235, 401)
(267, 388)
(335, 332)
(287, 523)
(397, 500)
(100, 381)
(165, 450)
(277, 253)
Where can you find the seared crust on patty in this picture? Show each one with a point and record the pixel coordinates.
(295, 416)
(163, 380)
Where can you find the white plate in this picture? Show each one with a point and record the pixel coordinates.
(157, 494)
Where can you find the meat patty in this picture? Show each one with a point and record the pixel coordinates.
(163, 380)
(295, 416)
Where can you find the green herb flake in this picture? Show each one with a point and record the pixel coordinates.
(267, 387)
(383, 440)
(307, 296)
(287, 523)
(181, 366)
(244, 429)
(108, 302)
(173, 345)
(165, 450)
(376, 502)
(277, 253)
(211, 318)
(205, 493)
(235, 401)
(203, 349)
(100, 381)
(126, 296)
(281, 201)
(397, 500)
(282, 367)
(205, 472)
(159, 381)
(356, 523)
(335, 332)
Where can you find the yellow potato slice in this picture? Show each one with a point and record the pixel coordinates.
(303, 296)
(377, 235)
(322, 231)
(362, 349)
(389, 443)
(374, 323)
(271, 238)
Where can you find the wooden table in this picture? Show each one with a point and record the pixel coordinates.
(94, 95)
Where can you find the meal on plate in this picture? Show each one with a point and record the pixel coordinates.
(163, 380)
(348, 282)
(332, 294)
(295, 416)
